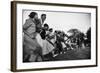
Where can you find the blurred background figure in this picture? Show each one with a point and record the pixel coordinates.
(43, 18)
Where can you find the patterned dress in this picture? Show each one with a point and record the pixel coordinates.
(30, 44)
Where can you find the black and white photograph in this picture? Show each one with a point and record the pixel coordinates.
(53, 36)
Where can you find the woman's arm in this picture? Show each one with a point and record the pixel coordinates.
(26, 25)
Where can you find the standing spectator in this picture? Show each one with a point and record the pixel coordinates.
(43, 18)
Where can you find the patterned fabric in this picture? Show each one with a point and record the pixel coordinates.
(30, 27)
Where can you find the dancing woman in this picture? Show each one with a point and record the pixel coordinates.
(32, 51)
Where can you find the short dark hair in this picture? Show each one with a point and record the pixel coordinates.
(46, 25)
(50, 29)
(55, 31)
(43, 14)
(32, 14)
